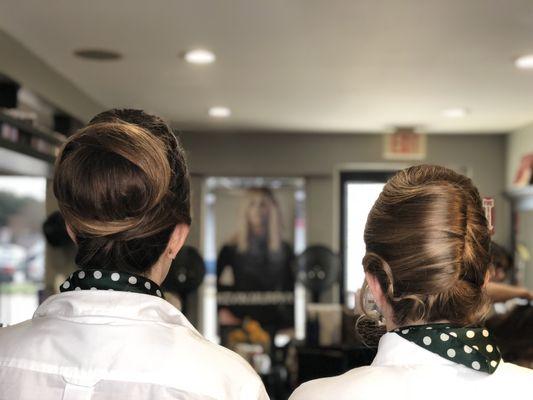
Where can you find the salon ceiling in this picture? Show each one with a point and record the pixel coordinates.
(298, 65)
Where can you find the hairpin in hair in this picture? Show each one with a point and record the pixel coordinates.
(488, 206)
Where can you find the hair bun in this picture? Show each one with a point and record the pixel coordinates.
(122, 184)
(427, 243)
(127, 171)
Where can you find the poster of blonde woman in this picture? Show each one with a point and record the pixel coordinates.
(255, 277)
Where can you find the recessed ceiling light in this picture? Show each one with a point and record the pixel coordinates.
(524, 62)
(98, 54)
(455, 112)
(199, 56)
(219, 112)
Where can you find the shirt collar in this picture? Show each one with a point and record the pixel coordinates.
(99, 306)
(393, 350)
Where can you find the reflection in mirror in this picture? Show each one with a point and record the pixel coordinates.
(252, 229)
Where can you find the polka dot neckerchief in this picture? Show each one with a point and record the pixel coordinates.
(101, 279)
(471, 347)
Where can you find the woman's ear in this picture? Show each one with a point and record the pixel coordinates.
(375, 289)
(177, 240)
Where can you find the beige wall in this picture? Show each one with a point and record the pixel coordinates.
(315, 156)
(196, 210)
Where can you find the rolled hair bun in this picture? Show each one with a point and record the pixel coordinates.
(123, 173)
(122, 187)
(427, 243)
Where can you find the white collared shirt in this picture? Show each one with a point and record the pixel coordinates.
(98, 345)
(403, 370)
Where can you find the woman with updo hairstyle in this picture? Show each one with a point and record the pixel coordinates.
(426, 266)
(122, 186)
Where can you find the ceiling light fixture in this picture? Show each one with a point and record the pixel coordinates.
(524, 62)
(219, 112)
(455, 112)
(199, 56)
(98, 54)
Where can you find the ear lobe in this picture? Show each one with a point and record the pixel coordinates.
(177, 240)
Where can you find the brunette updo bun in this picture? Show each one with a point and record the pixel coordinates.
(427, 242)
(122, 186)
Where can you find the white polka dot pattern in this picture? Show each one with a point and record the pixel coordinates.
(109, 281)
(469, 346)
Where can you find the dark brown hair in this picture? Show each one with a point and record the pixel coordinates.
(122, 185)
(427, 243)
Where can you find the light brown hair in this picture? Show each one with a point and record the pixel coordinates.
(122, 185)
(427, 243)
(274, 227)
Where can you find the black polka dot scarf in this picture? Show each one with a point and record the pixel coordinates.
(471, 347)
(101, 279)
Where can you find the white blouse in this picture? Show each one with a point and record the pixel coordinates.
(98, 345)
(403, 370)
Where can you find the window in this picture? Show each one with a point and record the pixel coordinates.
(22, 246)
(359, 191)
